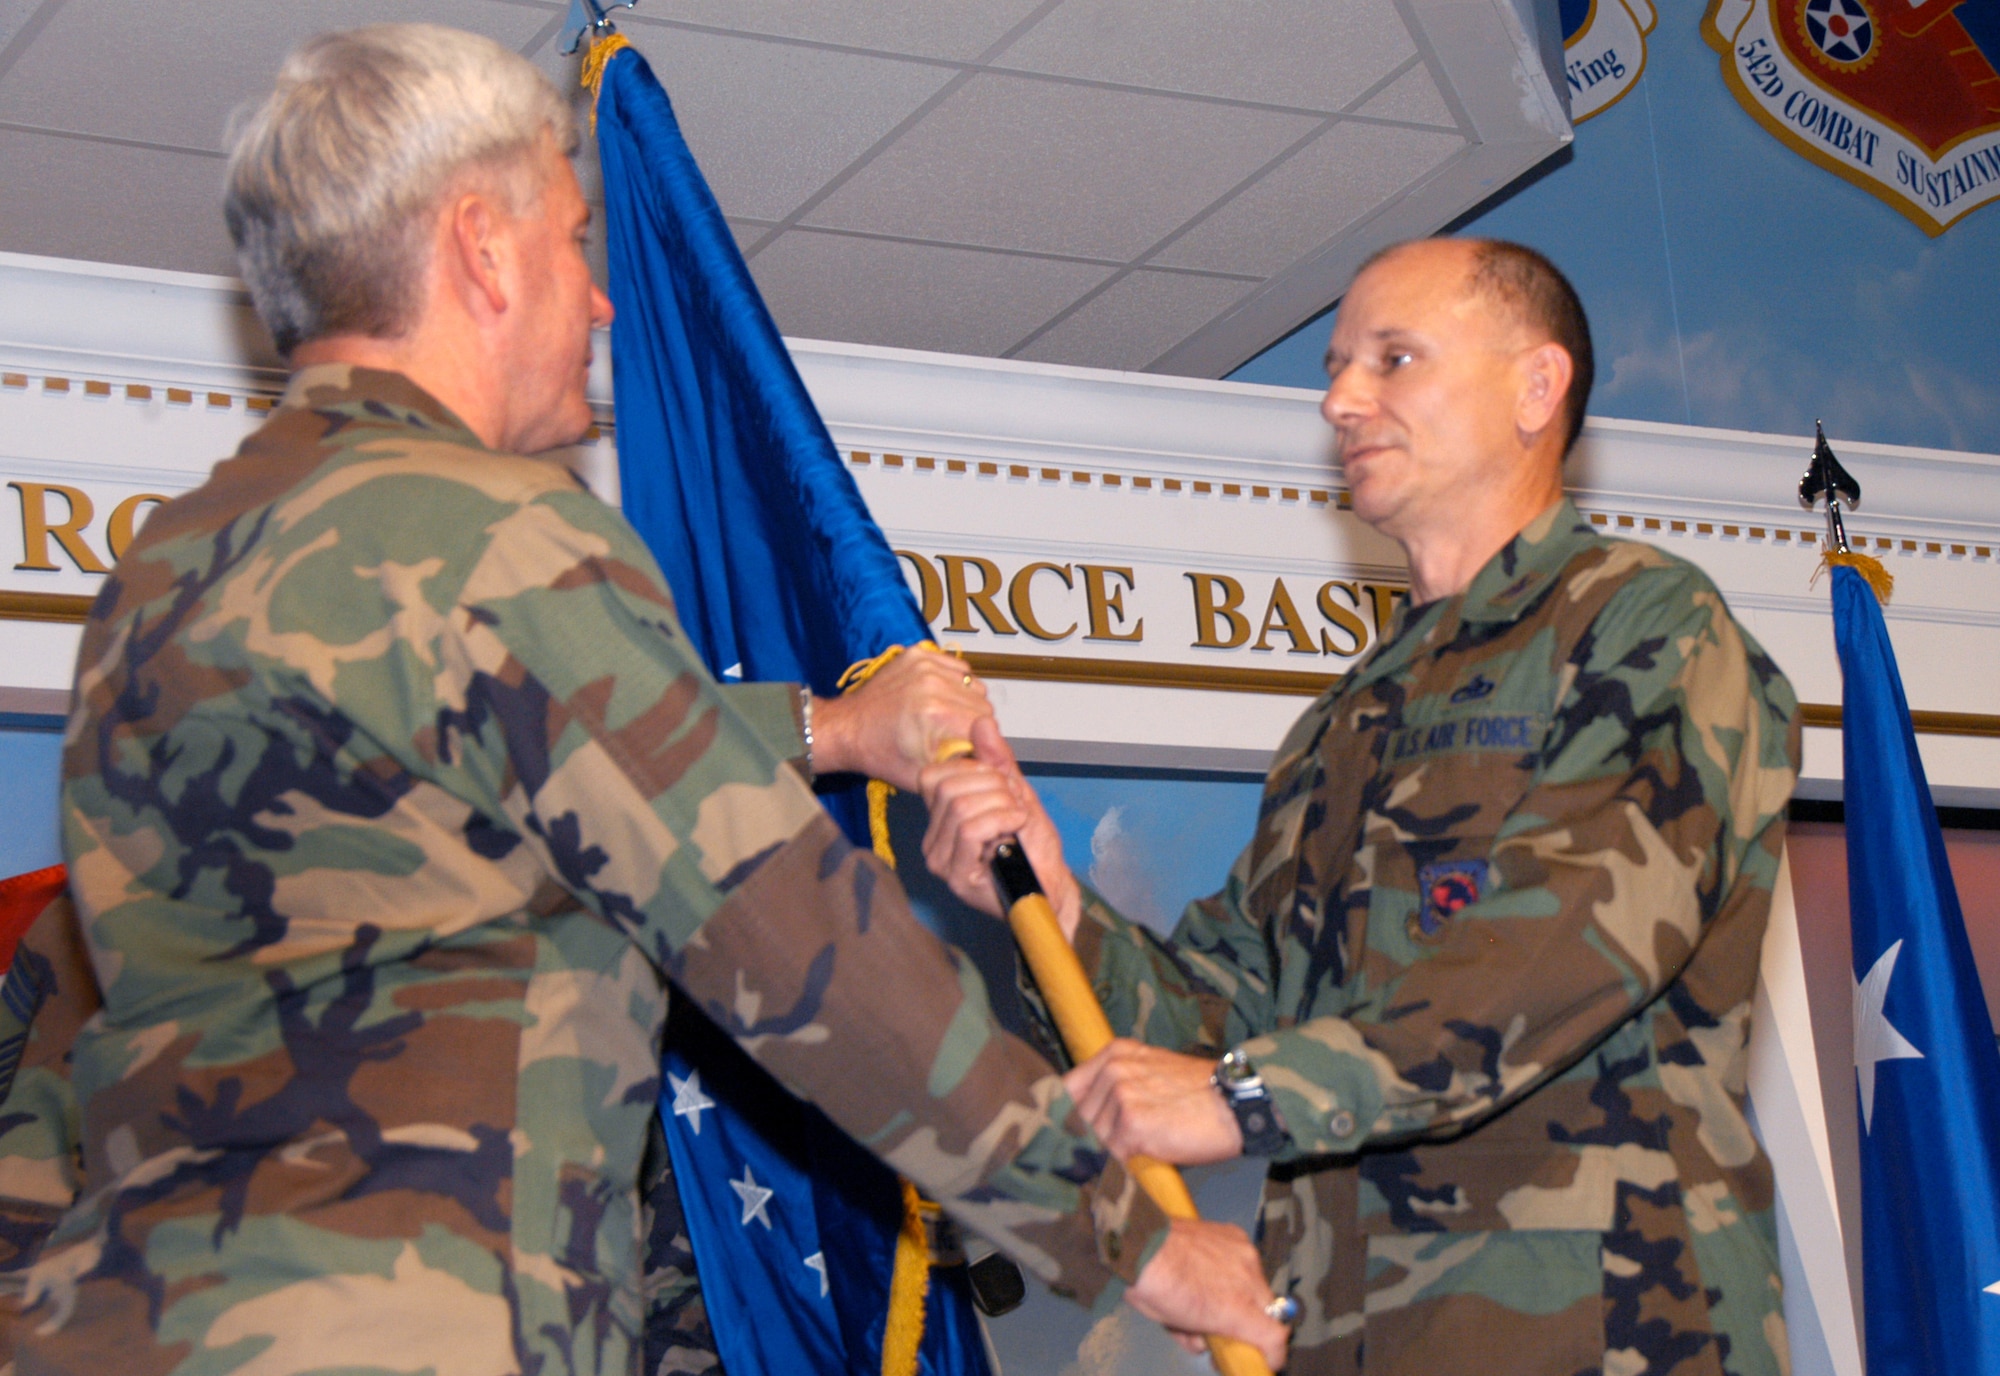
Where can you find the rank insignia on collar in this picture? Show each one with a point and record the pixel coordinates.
(1444, 887)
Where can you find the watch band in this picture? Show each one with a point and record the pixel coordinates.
(1242, 1088)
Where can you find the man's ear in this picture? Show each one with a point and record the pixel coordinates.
(475, 237)
(1546, 372)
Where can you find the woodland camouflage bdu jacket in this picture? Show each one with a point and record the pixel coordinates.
(1493, 947)
(391, 794)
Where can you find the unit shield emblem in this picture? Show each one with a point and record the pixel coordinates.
(1900, 97)
(1604, 51)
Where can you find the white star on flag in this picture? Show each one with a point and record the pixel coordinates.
(689, 1101)
(817, 1263)
(1875, 1040)
(1993, 1289)
(754, 1197)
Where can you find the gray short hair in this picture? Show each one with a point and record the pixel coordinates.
(333, 178)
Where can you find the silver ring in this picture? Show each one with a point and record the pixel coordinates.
(1282, 1309)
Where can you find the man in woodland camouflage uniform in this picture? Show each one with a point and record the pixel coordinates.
(393, 795)
(1492, 948)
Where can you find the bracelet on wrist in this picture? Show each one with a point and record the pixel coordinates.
(806, 725)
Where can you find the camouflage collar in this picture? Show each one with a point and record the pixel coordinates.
(1515, 578)
(1504, 588)
(375, 392)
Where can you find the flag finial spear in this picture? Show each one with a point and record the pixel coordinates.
(1825, 477)
(589, 17)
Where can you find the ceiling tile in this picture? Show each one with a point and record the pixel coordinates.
(959, 30)
(1137, 319)
(747, 233)
(1319, 54)
(1412, 96)
(1346, 173)
(771, 123)
(1014, 162)
(113, 204)
(913, 296)
(179, 70)
(13, 14)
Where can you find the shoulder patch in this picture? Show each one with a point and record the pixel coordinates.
(1443, 888)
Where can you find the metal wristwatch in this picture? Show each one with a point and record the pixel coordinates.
(1242, 1088)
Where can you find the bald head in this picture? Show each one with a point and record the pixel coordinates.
(1523, 287)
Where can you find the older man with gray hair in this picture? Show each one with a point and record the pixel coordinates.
(393, 798)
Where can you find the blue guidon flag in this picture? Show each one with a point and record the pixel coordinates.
(778, 573)
(1925, 1064)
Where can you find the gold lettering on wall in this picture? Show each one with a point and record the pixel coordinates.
(1020, 597)
(961, 601)
(1217, 596)
(36, 528)
(1343, 619)
(1282, 614)
(962, 594)
(124, 522)
(1105, 602)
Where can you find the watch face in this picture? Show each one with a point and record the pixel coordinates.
(1237, 1074)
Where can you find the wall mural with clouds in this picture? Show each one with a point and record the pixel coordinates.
(1733, 282)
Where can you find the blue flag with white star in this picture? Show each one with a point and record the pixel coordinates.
(778, 573)
(1925, 1063)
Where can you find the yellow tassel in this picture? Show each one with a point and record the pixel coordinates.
(1879, 578)
(879, 793)
(909, 1285)
(594, 61)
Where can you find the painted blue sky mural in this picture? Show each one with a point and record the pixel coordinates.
(1732, 283)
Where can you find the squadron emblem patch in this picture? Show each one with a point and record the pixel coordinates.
(1900, 97)
(1443, 888)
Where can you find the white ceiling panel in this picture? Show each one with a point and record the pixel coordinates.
(121, 204)
(748, 232)
(917, 296)
(1159, 184)
(178, 71)
(13, 14)
(957, 30)
(1413, 96)
(1135, 320)
(1012, 162)
(1312, 54)
(1342, 175)
(771, 123)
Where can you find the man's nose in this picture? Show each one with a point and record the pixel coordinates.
(600, 308)
(1348, 396)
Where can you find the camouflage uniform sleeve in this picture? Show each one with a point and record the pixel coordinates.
(1659, 794)
(587, 721)
(1199, 993)
(772, 711)
(1210, 985)
(48, 994)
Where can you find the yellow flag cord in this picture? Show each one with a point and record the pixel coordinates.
(594, 58)
(910, 1282)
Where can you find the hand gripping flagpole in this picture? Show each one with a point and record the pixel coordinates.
(1079, 1017)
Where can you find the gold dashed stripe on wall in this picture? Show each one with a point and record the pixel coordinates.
(1309, 498)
